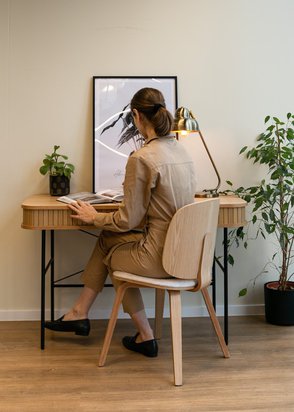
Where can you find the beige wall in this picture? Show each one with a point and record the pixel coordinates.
(234, 63)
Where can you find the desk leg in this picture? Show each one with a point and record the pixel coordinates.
(43, 279)
(52, 273)
(44, 269)
(214, 285)
(226, 286)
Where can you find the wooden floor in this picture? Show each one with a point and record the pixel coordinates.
(259, 376)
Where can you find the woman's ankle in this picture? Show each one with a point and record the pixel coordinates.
(143, 326)
(145, 336)
(74, 314)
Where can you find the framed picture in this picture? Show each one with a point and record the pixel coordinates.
(114, 135)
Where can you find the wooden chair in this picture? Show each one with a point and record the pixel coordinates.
(188, 258)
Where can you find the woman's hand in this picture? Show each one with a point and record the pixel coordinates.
(83, 211)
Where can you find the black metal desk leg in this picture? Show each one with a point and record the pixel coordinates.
(214, 285)
(43, 279)
(226, 286)
(52, 273)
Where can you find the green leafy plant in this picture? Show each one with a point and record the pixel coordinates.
(272, 199)
(55, 164)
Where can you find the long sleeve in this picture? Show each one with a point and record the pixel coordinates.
(139, 181)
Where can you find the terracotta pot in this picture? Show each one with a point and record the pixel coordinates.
(59, 185)
(279, 304)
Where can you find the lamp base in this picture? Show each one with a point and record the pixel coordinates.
(207, 194)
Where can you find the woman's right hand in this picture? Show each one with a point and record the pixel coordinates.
(83, 211)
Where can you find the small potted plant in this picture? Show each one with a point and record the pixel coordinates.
(59, 171)
(272, 201)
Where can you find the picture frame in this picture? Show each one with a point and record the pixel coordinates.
(111, 98)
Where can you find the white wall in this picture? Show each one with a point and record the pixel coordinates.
(234, 63)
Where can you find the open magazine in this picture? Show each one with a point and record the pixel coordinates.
(104, 196)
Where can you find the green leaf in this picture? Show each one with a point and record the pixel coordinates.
(242, 292)
(267, 119)
(243, 149)
(272, 215)
(229, 183)
(253, 189)
(44, 169)
(271, 128)
(231, 260)
(276, 174)
(258, 203)
(269, 228)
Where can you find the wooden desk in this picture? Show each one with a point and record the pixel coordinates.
(45, 213)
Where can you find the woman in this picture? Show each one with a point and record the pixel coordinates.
(159, 180)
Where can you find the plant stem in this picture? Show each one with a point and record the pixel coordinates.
(284, 245)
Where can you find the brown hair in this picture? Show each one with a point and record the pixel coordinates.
(151, 103)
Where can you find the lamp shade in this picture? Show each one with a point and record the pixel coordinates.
(184, 121)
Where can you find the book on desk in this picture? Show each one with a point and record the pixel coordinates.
(104, 196)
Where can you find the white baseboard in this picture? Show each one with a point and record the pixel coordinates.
(187, 311)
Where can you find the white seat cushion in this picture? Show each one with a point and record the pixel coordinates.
(170, 283)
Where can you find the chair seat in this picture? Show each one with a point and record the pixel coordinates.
(169, 283)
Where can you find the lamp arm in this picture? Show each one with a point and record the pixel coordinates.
(214, 167)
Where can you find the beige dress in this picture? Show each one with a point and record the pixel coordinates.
(159, 179)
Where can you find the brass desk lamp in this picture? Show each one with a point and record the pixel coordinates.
(185, 123)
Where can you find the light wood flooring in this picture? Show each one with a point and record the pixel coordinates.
(259, 376)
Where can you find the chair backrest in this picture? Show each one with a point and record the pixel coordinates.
(190, 241)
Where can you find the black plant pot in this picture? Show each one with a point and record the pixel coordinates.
(279, 304)
(59, 185)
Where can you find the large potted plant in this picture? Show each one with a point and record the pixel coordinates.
(272, 203)
(59, 171)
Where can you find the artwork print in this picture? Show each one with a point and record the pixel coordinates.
(114, 134)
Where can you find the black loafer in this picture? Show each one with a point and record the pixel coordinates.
(80, 327)
(148, 348)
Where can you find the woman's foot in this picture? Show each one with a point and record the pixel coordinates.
(147, 348)
(79, 326)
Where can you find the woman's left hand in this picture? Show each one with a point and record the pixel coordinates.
(83, 211)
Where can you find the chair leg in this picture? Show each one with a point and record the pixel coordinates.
(112, 322)
(159, 307)
(176, 330)
(215, 323)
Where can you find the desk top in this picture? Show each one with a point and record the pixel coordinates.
(45, 212)
(48, 202)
